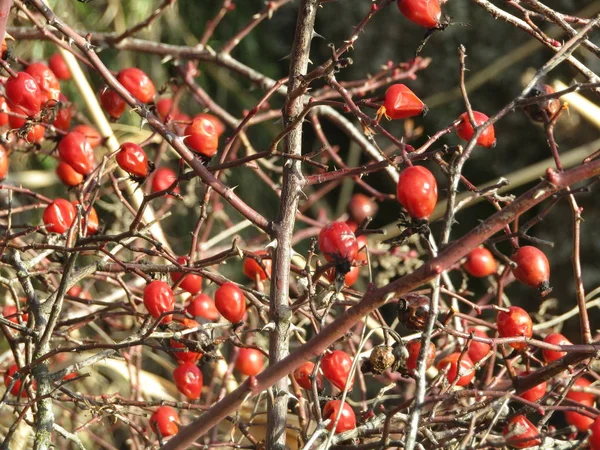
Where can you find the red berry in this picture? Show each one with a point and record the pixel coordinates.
(11, 313)
(532, 268)
(69, 176)
(349, 279)
(413, 348)
(59, 216)
(361, 207)
(478, 350)
(253, 270)
(59, 67)
(164, 107)
(46, 80)
(133, 160)
(302, 376)
(164, 421)
(230, 302)
(425, 13)
(8, 377)
(202, 137)
(465, 373)
(347, 417)
(400, 102)
(249, 361)
(188, 379)
(336, 367)
(112, 103)
(4, 108)
(186, 356)
(75, 150)
(579, 421)
(93, 223)
(158, 299)
(585, 398)
(77, 291)
(594, 438)
(90, 133)
(337, 242)
(64, 114)
(554, 339)
(521, 433)
(219, 127)
(480, 263)
(162, 179)
(417, 192)
(191, 283)
(465, 130)
(515, 322)
(24, 93)
(137, 83)
(35, 135)
(536, 392)
(203, 306)
(3, 163)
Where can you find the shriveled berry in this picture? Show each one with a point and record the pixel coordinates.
(413, 311)
(400, 102)
(158, 299)
(188, 379)
(75, 150)
(59, 216)
(347, 419)
(544, 110)
(133, 159)
(46, 80)
(24, 93)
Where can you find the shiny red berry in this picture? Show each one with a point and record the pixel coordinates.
(336, 368)
(8, 378)
(594, 437)
(185, 355)
(303, 374)
(413, 348)
(450, 363)
(112, 103)
(162, 179)
(577, 394)
(3, 163)
(165, 421)
(64, 114)
(191, 282)
(203, 306)
(46, 80)
(536, 392)
(59, 216)
(425, 13)
(253, 270)
(579, 421)
(554, 339)
(133, 160)
(219, 126)
(93, 223)
(478, 350)
(158, 299)
(513, 323)
(417, 192)
(347, 419)
(361, 207)
(23, 92)
(465, 130)
(137, 83)
(188, 379)
(230, 302)
(201, 137)
(249, 361)
(91, 134)
(338, 242)
(36, 133)
(533, 268)
(164, 107)
(75, 150)
(59, 67)
(400, 102)
(519, 432)
(480, 263)
(69, 176)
